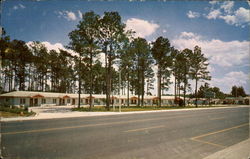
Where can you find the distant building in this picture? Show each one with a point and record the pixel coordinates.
(28, 98)
(236, 100)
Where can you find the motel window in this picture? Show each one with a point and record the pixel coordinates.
(96, 101)
(54, 101)
(43, 101)
(122, 101)
(86, 101)
(22, 101)
(81, 101)
(68, 100)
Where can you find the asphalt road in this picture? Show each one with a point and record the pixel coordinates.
(160, 135)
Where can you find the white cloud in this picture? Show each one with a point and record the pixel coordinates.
(57, 47)
(70, 16)
(101, 58)
(79, 14)
(210, 68)
(225, 11)
(164, 30)
(219, 52)
(189, 35)
(242, 15)
(142, 27)
(232, 78)
(191, 14)
(214, 14)
(213, 2)
(227, 6)
(229, 19)
(239, 18)
(19, 6)
(22, 6)
(15, 7)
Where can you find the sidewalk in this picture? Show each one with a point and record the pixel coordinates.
(55, 112)
(237, 151)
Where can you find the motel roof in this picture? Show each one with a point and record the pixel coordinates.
(31, 94)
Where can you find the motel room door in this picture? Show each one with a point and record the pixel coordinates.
(36, 102)
(31, 102)
(62, 102)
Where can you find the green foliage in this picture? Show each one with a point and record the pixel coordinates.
(4, 104)
(238, 91)
(161, 52)
(142, 61)
(205, 88)
(16, 110)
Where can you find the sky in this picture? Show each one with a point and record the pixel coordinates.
(220, 28)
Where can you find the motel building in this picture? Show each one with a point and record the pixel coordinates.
(33, 99)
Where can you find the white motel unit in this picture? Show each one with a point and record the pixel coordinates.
(30, 98)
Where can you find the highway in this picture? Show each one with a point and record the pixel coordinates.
(192, 134)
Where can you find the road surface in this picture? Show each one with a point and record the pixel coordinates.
(158, 135)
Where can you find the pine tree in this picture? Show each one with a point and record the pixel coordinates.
(198, 68)
(161, 52)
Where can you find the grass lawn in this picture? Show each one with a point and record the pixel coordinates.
(134, 108)
(8, 112)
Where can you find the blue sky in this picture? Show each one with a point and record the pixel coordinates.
(220, 28)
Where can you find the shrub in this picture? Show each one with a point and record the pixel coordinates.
(16, 110)
(26, 108)
(181, 102)
(5, 104)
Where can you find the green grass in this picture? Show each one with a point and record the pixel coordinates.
(134, 108)
(14, 112)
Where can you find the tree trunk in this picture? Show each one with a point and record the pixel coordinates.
(184, 92)
(91, 81)
(106, 75)
(109, 82)
(142, 88)
(175, 88)
(29, 85)
(138, 86)
(128, 91)
(22, 79)
(179, 89)
(196, 98)
(79, 82)
(159, 86)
